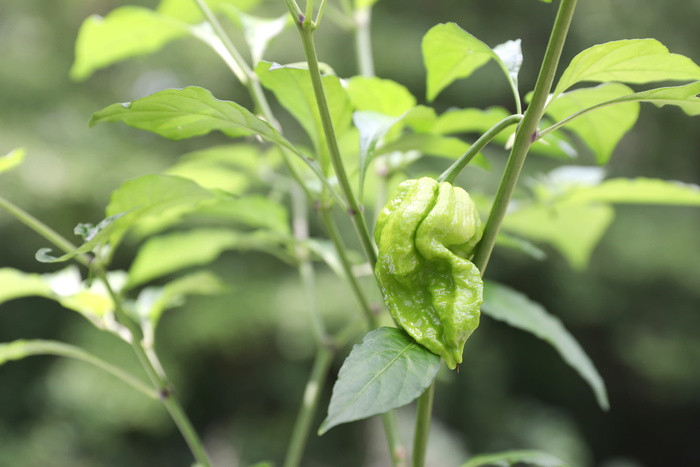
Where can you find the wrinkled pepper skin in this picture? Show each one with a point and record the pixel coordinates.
(425, 235)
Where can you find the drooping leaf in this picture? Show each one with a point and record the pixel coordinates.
(169, 253)
(635, 61)
(126, 32)
(516, 458)
(258, 32)
(293, 89)
(387, 370)
(12, 159)
(451, 53)
(384, 96)
(573, 229)
(17, 284)
(514, 308)
(602, 129)
(19, 349)
(373, 127)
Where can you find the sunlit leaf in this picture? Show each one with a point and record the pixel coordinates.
(212, 175)
(634, 61)
(293, 89)
(387, 370)
(184, 113)
(383, 96)
(12, 159)
(128, 31)
(17, 284)
(685, 97)
(258, 32)
(514, 308)
(602, 129)
(451, 53)
(516, 458)
(364, 3)
(573, 229)
(250, 211)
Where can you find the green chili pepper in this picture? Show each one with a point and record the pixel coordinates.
(425, 235)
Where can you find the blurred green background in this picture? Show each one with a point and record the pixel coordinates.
(240, 361)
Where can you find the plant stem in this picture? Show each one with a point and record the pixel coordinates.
(354, 209)
(363, 41)
(312, 394)
(423, 415)
(526, 133)
(159, 381)
(451, 173)
(396, 449)
(42, 229)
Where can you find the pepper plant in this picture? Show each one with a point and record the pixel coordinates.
(428, 247)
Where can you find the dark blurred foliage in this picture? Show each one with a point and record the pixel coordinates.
(240, 362)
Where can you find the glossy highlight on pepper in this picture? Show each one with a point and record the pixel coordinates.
(426, 234)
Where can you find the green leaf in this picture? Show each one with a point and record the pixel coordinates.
(166, 254)
(451, 53)
(128, 31)
(505, 304)
(635, 61)
(637, 191)
(12, 159)
(573, 229)
(515, 458)
(251, 211)
(601, 130)
(293, 89)
(212, 175)
(387, 370)
(184, 113)
(258, 32)
(360, 4)
(383, 96)
(18, 284)
(373, 127)
(520, 245)
(148, 203)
